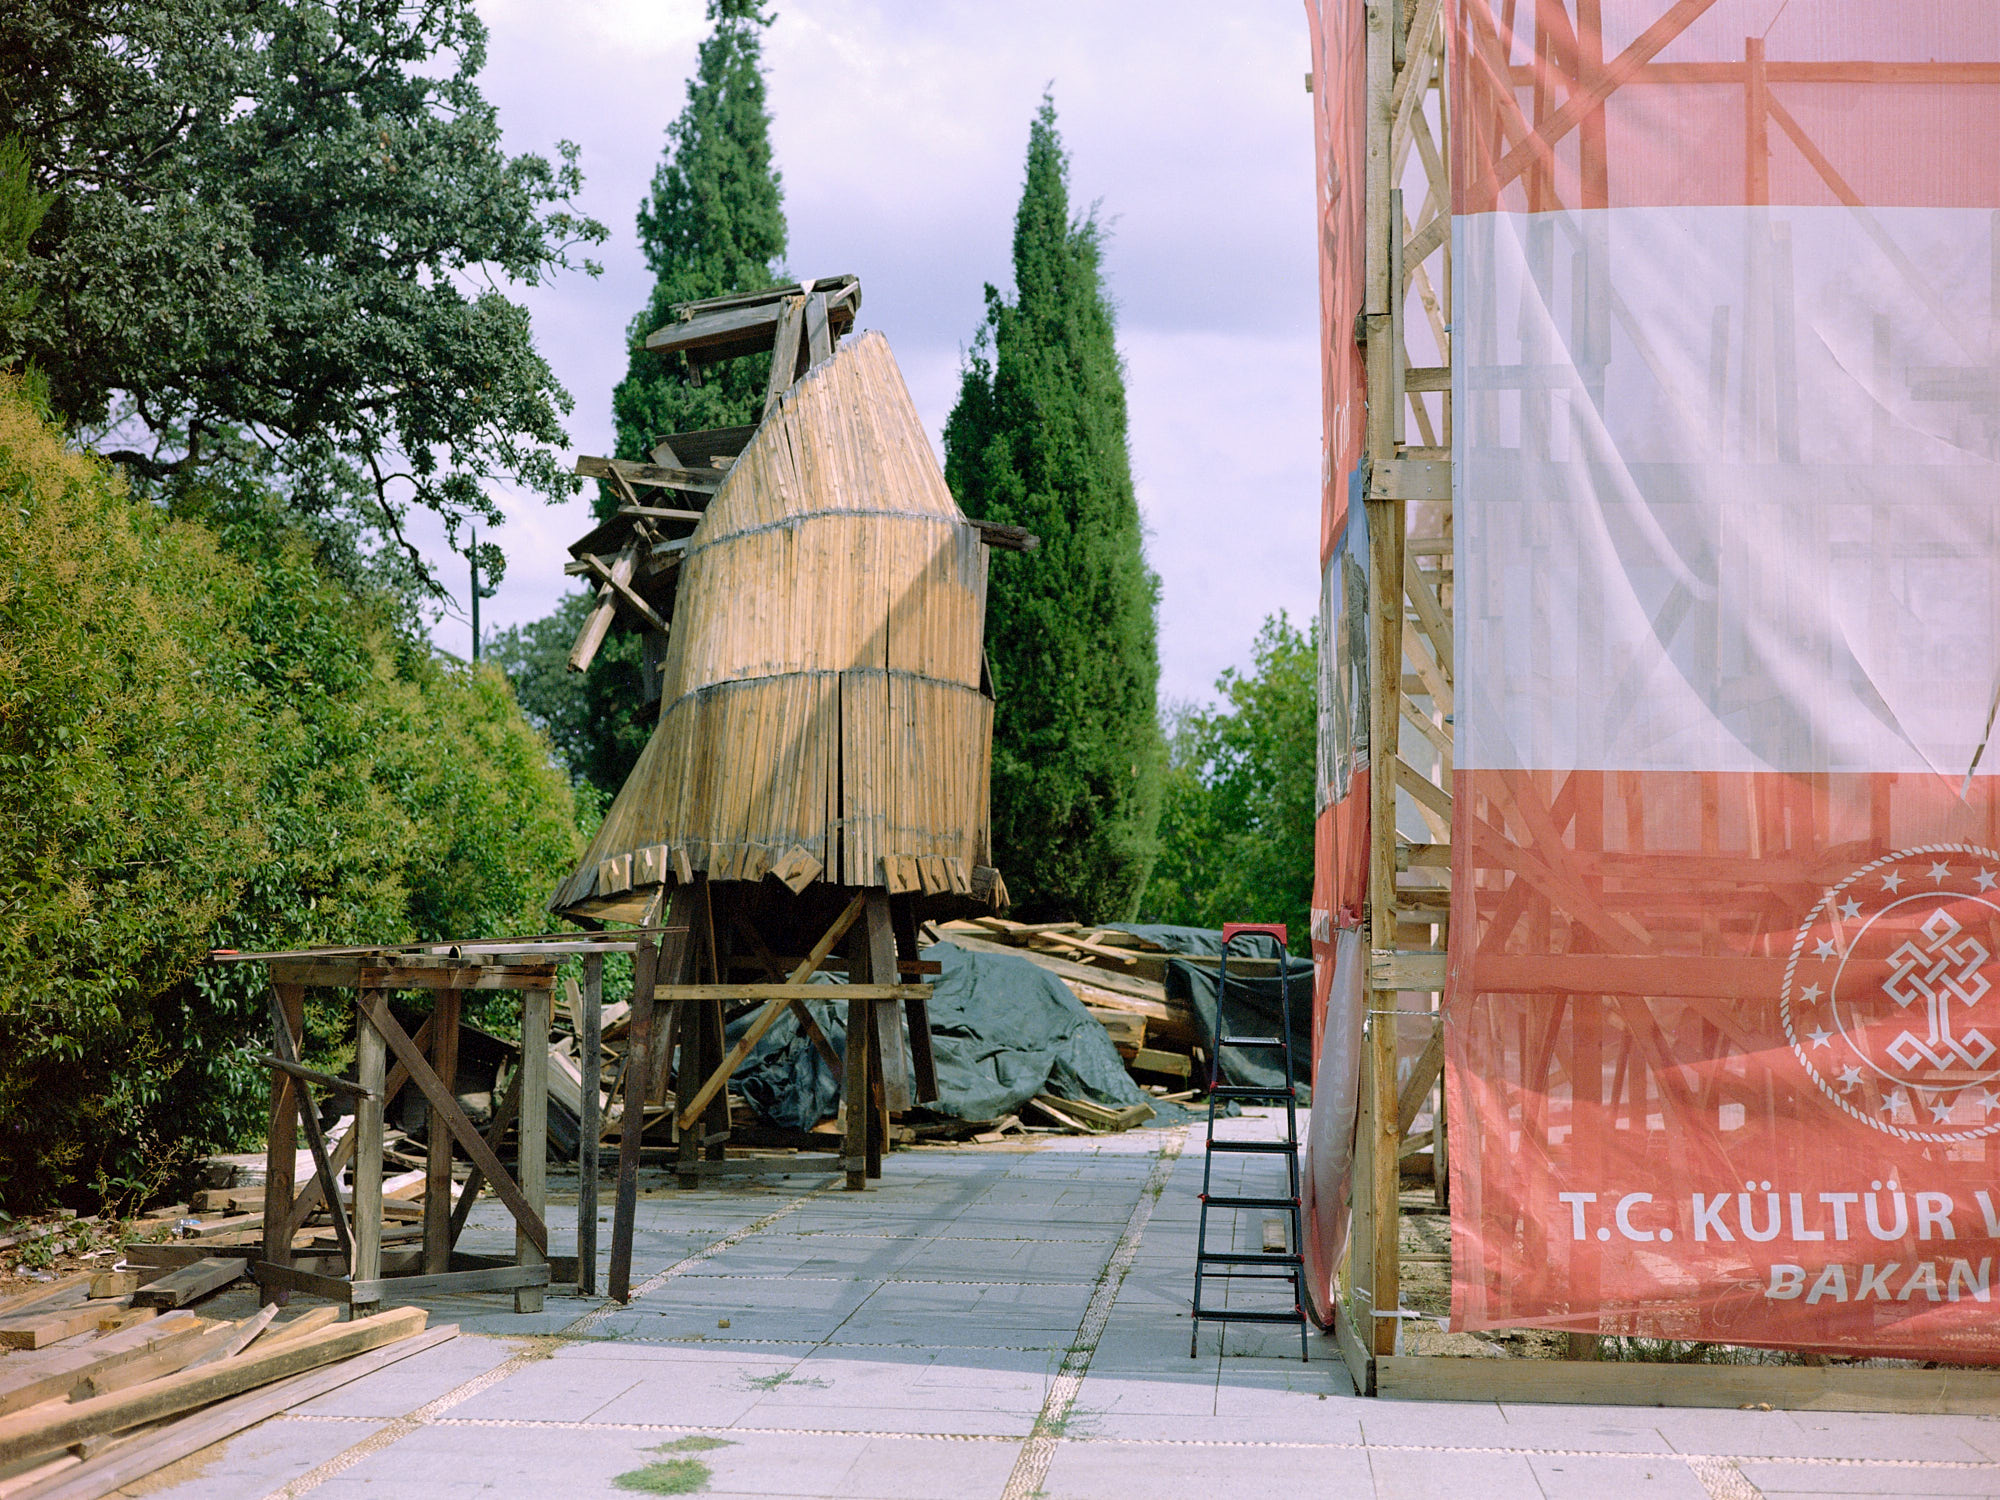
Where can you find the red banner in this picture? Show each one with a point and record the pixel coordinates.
(1723, 1026)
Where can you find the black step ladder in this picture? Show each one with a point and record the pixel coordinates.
(1227, 1266)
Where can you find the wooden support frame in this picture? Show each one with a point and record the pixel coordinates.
(370, 976)
(1409, 493)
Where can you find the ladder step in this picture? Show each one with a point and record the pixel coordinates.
(1252, 1041)
(1246, 1316)
(1246, 1091)
(1257, 1148)
(1238, 1200)
(1248, 1258)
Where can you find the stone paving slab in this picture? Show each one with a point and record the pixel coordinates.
(987, 1323)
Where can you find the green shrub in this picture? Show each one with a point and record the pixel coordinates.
(208, 741)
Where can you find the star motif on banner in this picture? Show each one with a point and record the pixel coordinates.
(1890, 998)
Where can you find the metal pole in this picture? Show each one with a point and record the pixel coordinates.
(473, 556)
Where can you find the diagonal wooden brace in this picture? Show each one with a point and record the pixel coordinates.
(445, 1107)
(773, 1008)
(313, 1194)
(323, 1168)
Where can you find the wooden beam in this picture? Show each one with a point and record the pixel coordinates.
(597, 624)
(445, 1104)
(773, 1008)
(654, 476)
(25, 1434)
(147, 1453)
(623, 593)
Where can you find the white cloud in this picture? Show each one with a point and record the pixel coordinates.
(900, 130)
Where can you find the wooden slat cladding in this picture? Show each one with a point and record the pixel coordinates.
(821, 688)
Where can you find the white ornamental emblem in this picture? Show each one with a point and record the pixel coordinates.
(1890, 997)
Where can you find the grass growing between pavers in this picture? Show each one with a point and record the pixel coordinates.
(674, 1476)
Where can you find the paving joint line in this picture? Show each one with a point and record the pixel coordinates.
(1484, 1450)
(541, 1347)
(1032, 1466)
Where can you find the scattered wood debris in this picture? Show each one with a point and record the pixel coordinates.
(1120, 979)
(96, 1392)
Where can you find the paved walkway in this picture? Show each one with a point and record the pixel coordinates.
(989, 1324)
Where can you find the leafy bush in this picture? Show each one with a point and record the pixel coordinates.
(207, 741)
(1236, 829)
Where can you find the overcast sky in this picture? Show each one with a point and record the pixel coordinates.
(900, 128)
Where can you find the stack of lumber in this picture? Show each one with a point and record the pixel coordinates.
(106, 1378)
(1119, 978)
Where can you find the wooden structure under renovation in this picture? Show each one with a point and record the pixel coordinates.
(1405, 328)
(811, 607)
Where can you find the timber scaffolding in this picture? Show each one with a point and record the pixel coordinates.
(811, 608)
(1552, 103)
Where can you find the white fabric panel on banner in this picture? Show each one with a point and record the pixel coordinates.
(1737, 474)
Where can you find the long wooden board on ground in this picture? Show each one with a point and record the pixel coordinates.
(147, 1453)
(38, 1330)
(178, 1288)
(46, 1430)
(28, 1379)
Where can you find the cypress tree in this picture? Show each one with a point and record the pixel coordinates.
(713, 225)
(1037, 439)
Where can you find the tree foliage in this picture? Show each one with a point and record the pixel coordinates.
(713, 225)
(1038, 439)
(208, 740)
(1236, 835)
(286, 221)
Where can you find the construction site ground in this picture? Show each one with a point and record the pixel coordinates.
(1002, 1321)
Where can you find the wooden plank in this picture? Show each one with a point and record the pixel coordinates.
(287, 1006)
(147, 1453)
(178, 1288)
(623, 594)
(590, 1033)
(786, 991)
(774, 1007)
(64, 1292)
(437, 1147)
(310, 1321)
(657, 513)
(1423, 1073)
(450, 1283)
(531, 1251)
(313, 1075)
(879, 944)
(632, 1123)
(818, 335)
(106, 1284)
(1410, 479)
(1173, 1064)
(785, 350)
(659, 476)
(1947, 1392)
(38, 1330)
(26, 1434)
(210, 1340)
(174, 1255)
(292, 1279)
(371, 1064)
(29, 1379)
